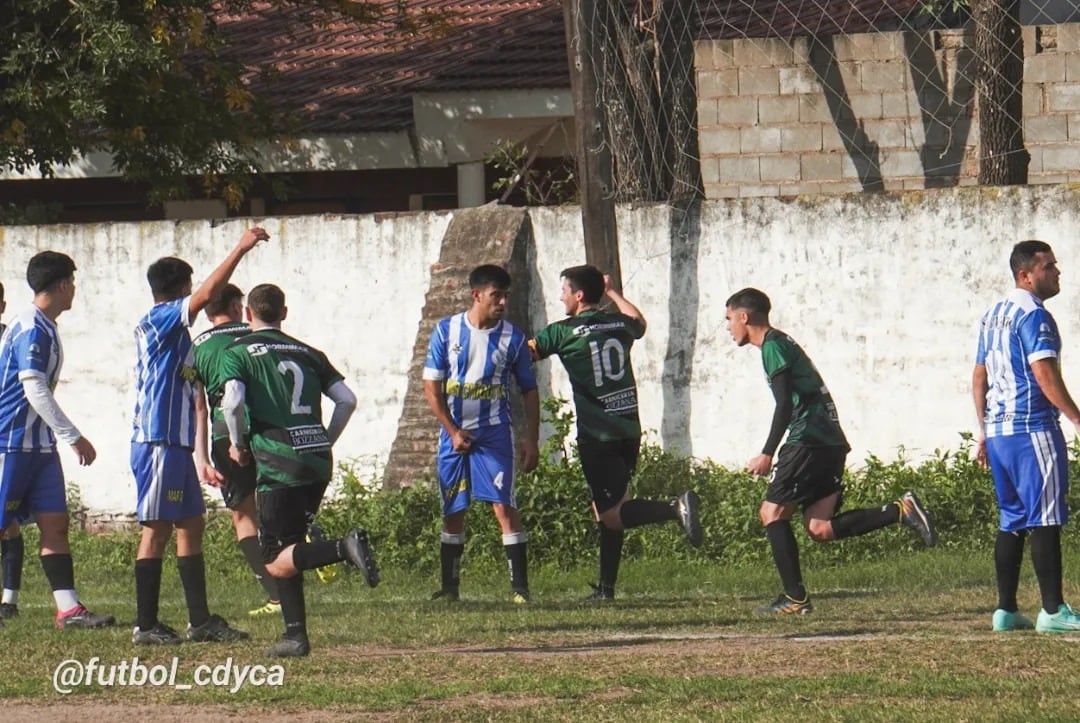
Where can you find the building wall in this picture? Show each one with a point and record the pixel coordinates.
(883, 111)
(882, 290)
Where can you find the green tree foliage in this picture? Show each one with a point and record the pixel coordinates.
(151, 81)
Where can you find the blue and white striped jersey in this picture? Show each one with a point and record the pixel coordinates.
(476, 365)
(30, 347)
(1014, 333)
(164, 374)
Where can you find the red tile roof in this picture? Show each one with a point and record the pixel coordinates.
(341, 77)
(345, 78)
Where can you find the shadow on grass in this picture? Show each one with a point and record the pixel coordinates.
(826, 595)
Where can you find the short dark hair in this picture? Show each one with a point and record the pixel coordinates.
(168, 276)
(1023, 255)
(587, 279)
(267, 303)
(753, 300)
(221, 301)
(47, 269)
(489, 275)
(1, 292)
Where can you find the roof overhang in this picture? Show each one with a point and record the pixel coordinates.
(448, 129)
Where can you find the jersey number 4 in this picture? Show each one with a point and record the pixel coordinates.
(608, 361)
(292, 369)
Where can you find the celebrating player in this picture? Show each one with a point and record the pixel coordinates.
(594, 346)
(167, 483)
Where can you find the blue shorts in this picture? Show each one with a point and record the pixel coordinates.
(1031, 479)
(485, 473)
(30, 483)
(166, 482)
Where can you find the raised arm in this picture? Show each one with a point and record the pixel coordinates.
(201, 296)
(625, 307)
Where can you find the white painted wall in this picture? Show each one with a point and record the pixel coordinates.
(883, 291)
(354, 286)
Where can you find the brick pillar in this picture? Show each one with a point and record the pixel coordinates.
(485, 235)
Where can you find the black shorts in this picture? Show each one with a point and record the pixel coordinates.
(283, 514)
(804, 475)
(239, 481)
(608, 466)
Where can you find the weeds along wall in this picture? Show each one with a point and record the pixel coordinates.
(882, 290)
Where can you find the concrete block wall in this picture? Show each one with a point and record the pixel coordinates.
(881, 111)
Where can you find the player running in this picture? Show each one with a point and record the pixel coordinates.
(281, 381)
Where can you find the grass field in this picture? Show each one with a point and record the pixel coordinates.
(904, 638)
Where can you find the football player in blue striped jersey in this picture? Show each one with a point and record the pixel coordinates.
(472, 357)
(1019, 393)
(166, 481)
(31, 478)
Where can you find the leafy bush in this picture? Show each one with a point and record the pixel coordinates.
(554, 503)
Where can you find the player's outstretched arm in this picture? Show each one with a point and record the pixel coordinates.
(344, 406)
(44, 403)
(220, 276)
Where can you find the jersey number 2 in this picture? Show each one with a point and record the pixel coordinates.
(608, 362)
(291, 368)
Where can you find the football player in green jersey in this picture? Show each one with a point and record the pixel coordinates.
(225, 313)
(282, 380)
(810, 466)
(594, 347)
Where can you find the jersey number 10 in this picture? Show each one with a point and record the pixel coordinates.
(608, 362)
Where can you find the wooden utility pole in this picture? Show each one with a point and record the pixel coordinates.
(587, 44)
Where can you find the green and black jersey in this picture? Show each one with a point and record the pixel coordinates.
(285, 381)
(594, 346)
(814, 422)
(209, 348)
